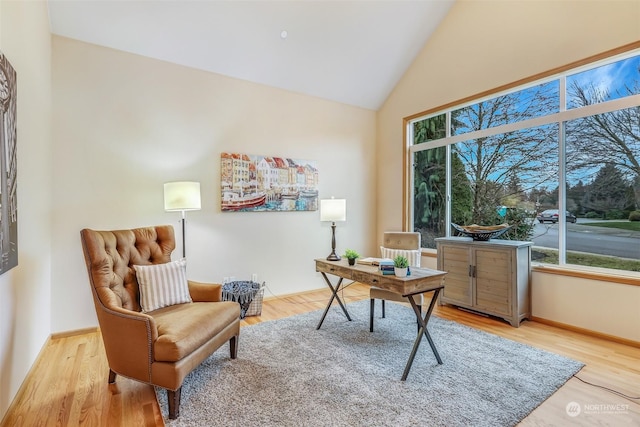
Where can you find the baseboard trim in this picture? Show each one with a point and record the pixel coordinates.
(74, 332)
(293, 294)
(588, 332)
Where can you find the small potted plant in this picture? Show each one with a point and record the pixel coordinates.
(351, 255)
(400, 266)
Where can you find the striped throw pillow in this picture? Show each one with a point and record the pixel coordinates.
(413, 256)
(162, 285)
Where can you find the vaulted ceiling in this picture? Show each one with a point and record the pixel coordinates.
(352, 52)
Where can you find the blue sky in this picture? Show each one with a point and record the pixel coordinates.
(613, 78)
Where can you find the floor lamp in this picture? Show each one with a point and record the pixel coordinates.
(182, 196)
(333, 210)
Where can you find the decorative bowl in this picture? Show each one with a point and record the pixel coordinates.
(482, 232)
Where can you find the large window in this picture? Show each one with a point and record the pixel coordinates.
(557, 159)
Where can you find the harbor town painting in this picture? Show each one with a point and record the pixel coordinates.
(263, 184)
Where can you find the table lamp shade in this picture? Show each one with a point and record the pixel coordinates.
(333, 210)
(182, 196)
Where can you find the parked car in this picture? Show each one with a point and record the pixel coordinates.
(552, 215)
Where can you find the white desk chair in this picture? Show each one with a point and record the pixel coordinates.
(396, 243)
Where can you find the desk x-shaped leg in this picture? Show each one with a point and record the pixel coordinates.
(333, 295)
(423, 331)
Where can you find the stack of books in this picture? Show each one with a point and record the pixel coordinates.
(372, 260)
(386, 267)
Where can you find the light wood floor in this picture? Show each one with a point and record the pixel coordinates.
(68, 384)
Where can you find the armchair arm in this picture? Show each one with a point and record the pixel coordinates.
(205, 292)
(128, 340)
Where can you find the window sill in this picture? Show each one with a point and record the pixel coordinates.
(624, 277)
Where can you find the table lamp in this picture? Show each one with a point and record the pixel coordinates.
(182, 196)
(333, 210)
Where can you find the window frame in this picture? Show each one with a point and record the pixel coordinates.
(561, 117)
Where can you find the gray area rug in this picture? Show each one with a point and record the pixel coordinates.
(289, 374)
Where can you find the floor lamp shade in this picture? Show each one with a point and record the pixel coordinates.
(333, 210)
(182, 196)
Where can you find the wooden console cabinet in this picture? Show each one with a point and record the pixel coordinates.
(489, 277)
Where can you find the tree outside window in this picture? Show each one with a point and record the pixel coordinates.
(504, 159)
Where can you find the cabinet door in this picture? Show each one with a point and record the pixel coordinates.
(457, 283)
(493, 275)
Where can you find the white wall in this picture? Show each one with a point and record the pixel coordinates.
(609, 308)
(125, 124)
(25, 291)
(482, 45)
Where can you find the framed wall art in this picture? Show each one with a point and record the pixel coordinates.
(8, 167)
(263, 184)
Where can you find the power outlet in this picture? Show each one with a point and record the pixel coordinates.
(254, 277)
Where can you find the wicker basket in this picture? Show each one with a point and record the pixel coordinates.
(482, 235)
(255, 308)
(246, 293)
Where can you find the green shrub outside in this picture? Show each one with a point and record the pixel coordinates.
(521, 224)
(616, 214)
(634, 216)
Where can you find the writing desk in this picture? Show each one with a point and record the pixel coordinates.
(420, 281)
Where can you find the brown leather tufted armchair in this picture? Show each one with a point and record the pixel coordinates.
(162, 346)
